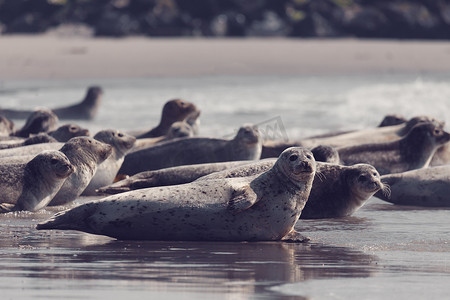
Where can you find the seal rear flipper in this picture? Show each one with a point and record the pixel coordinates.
(243, 198)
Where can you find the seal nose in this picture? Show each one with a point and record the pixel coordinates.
(306, 166)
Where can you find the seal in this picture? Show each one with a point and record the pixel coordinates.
(428, 187)
(364, 136)
(179, 129)
(189, 173)
(121, 143)
(84, 110)
(258, 208)
(414, 151)
(340, 191)
(246, 145)
(337, 191)
(30, 186)
(67, 131)
(173, 111)
(40, 120)
(6, 126)
(167, 176)
(85, 154)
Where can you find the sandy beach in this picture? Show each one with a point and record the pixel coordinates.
(54, 57)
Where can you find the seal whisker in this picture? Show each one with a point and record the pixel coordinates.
(386, 190)
(321, 176)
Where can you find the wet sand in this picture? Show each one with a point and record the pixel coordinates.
(52, 57)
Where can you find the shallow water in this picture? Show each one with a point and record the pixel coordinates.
(382, 252)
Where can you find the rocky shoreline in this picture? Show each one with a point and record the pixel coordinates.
(399, 19)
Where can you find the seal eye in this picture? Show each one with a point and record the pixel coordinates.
(54, 161)
(73, 129)
(437, 132)
(293, 157)
(308, 156)
(120, 134)
(362, 178)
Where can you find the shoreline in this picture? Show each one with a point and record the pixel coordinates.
(52, 57)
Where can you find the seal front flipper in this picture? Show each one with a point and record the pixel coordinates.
(243, 198)
(295, 237)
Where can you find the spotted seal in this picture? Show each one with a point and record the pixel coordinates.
(40, 120)
(173, 111)
(246, 145)
(179, 129)
(85, 154)
(258, 208)
(67, 131)
(84, 110)
(364, 136)
(428, 187)
(30, 186)
(413, 151)
(106, 171)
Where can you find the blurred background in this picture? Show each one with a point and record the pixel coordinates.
(412, 19)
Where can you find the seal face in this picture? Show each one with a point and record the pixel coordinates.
(67, 131)
(339, 191)
(121, 143)
(31, 186)
(264, 207)
(245, 146)
(427, 187)
(173, 111)
(85, 154)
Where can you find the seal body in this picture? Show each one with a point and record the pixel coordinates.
(30, 186)
(167, 176)
(173, 111)
(121, 143)
(264, 207)
(245, 146)
(85, 154)
(428, 187)
(413, 151)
